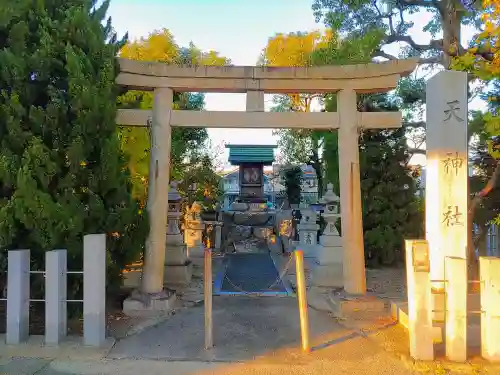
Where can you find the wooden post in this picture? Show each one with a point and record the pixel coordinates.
(158, 185)
(489, 273)
(456, 308)
(419, 300)
(302, 300)
(209, 341)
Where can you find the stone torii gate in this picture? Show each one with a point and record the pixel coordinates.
(346, 81)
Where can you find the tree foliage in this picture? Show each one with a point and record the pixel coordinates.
(189, 145)
(62, 173)
(483, 65)
(389, 20)
(292, 180)
(295, 50)
(485, 162)
(386, 22)
(391, 210)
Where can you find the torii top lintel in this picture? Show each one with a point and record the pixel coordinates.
(363, 78)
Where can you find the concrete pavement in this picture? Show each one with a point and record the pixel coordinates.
(252, 337)
(32, 366)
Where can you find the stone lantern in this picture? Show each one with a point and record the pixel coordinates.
(174, 210)
(332, 210)
(193, 235)
(328, 270)
(308, 232)
(178, 268)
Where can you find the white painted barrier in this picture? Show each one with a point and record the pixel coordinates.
(94, 295)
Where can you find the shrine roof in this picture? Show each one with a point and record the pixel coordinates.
(239, 154)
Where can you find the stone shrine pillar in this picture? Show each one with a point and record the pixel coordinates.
(328, 269)
(193, 232)
(178, 268)
(308, 232)
(446, 179)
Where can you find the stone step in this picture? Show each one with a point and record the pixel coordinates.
(399, 312)
(346, 306)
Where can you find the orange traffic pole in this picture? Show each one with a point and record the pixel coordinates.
(209, 342)
(302, 300)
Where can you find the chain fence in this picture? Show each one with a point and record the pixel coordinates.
(279, 279)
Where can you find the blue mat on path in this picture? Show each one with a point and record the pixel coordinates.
(250, 273)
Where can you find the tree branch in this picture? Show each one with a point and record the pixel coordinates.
(432, 45)
(416, 124)
(439, 6)
(417, 151)
(424, 60)
(432, 60)
(380, 53)
(418, 3)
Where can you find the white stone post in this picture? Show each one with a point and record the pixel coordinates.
(18, 296)
(94, 289)
(55, 296)
(350, 194)
(456, 308)
(446, 193)
(154, 257)
(329, 269)
(419, 300)
(489, 268)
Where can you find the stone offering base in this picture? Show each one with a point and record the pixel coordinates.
(399, 312)
(178, 275)
(140, 304)
(345, 305)
(197, 251)
(132, 279)
(327, 275)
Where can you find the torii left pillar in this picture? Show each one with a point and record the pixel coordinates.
(159, 170)
(152, 296)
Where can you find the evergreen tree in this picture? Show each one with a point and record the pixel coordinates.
(391, 210)
(62, 174)
(484, 181)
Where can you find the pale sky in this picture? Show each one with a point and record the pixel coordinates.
(238, 29)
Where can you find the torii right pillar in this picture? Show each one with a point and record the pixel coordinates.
(350, 194)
